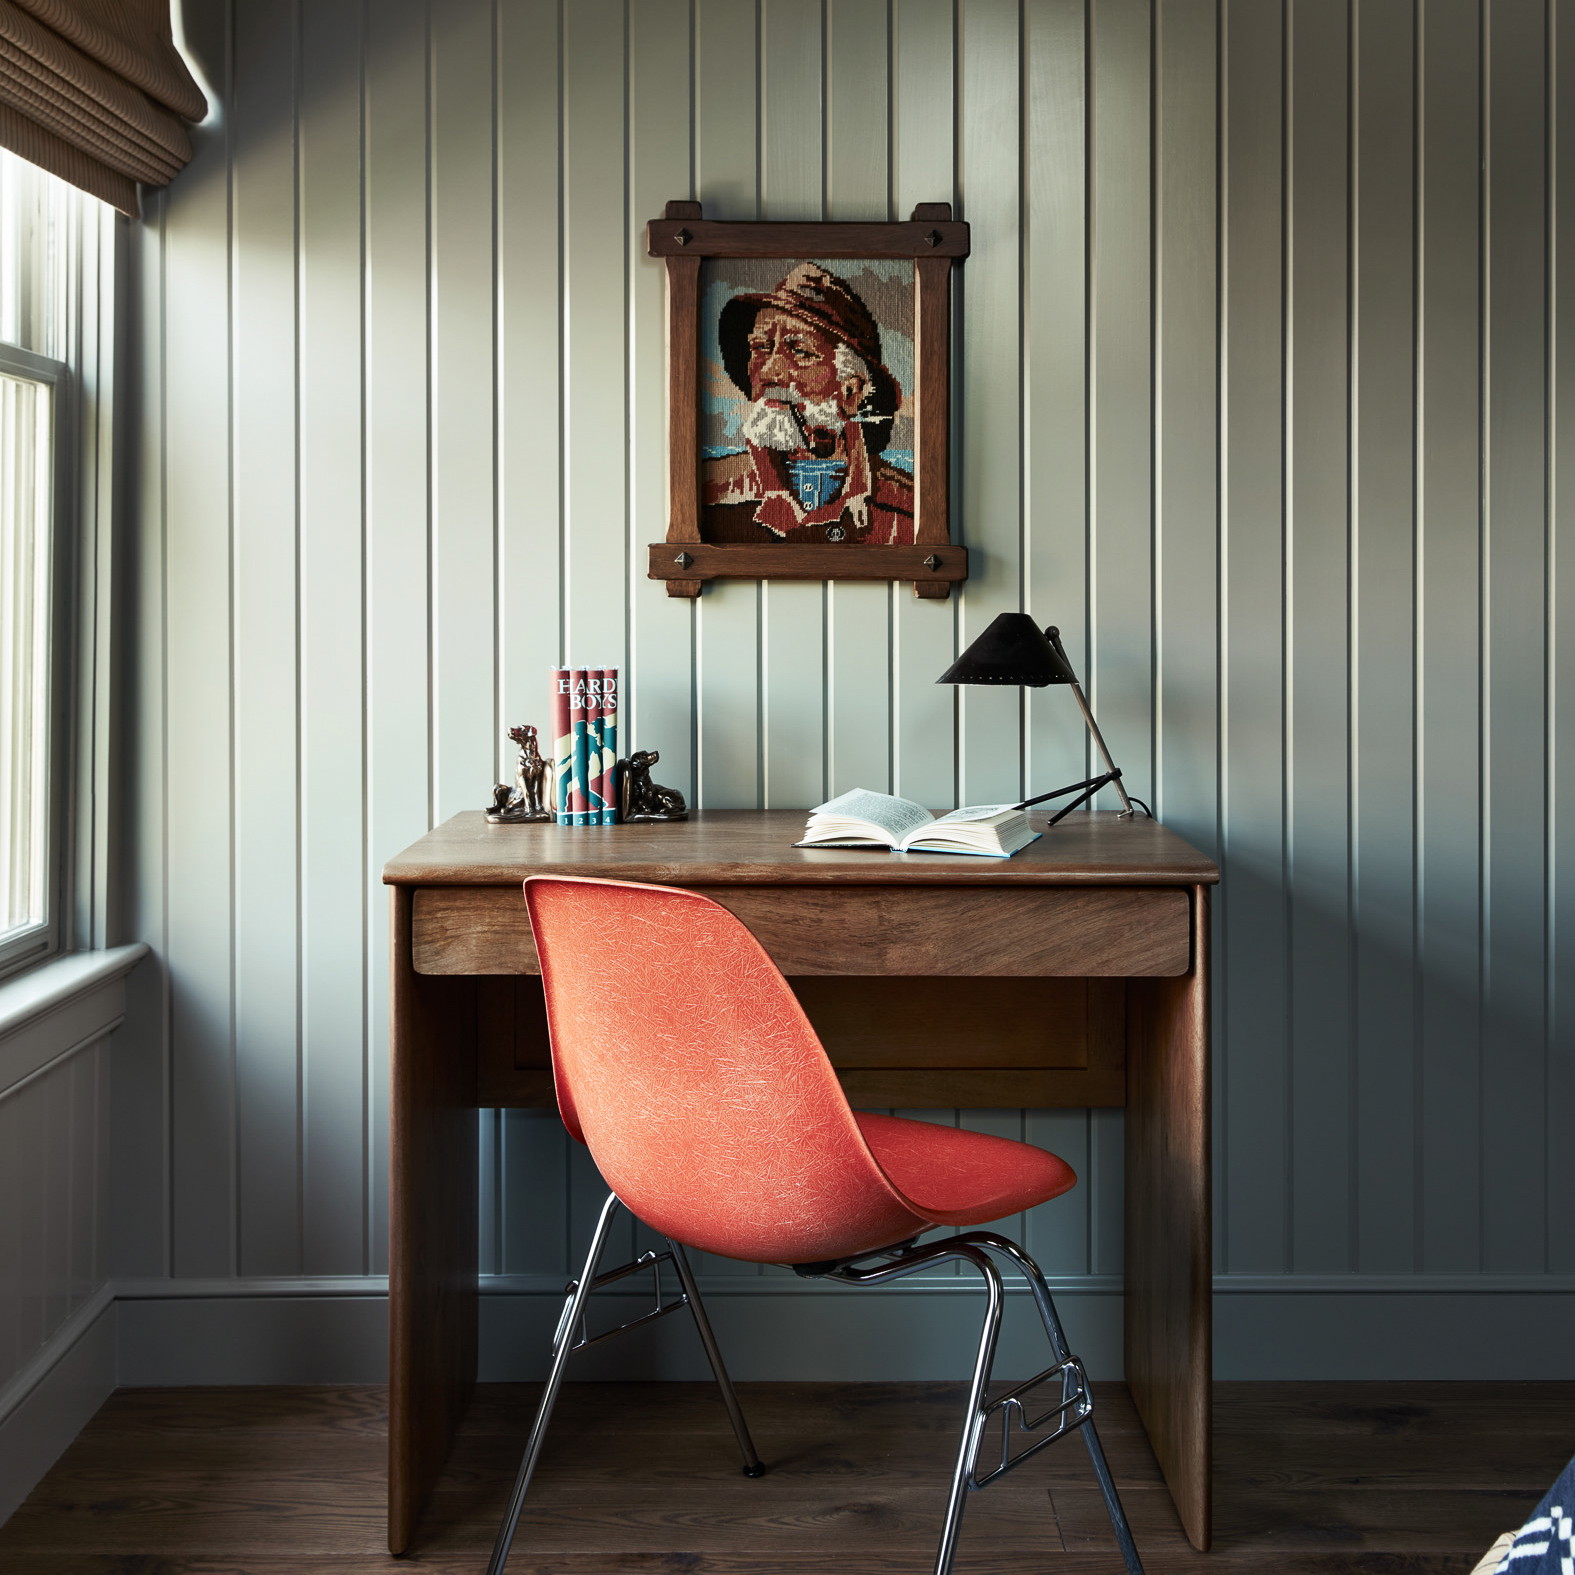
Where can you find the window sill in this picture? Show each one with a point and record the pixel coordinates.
(59, 1007)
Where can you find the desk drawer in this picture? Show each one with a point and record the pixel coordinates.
(904, 1043)
(1045, 932)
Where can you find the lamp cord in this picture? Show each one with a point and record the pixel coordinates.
(1134, 799)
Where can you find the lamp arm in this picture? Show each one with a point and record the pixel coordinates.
(1088, 790)
(1093, 785)
(1099, 739)
(1053, 635)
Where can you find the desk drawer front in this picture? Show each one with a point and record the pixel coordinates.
(1049, 932)
(908, 1043)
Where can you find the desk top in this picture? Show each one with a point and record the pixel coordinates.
(721, 847)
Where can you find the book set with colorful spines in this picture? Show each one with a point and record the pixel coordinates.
(585, 745)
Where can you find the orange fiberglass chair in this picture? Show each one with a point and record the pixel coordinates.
(686, 1065)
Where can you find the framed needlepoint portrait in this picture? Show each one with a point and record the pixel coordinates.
(808, 400)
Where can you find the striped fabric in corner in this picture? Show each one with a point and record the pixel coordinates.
(1545, 1545)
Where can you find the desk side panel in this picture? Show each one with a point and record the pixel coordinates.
(1169, 1254)
(432, 1224)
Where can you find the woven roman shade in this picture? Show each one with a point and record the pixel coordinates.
(94, 92)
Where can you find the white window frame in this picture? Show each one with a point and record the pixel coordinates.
(63, 270)
(31, 943)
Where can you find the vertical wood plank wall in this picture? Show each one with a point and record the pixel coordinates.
(53, 1195)
(1258, 396)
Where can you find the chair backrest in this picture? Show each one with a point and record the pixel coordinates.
(686, 1065)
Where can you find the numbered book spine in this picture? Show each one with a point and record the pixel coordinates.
(579, 723)
(593, 746)
(610, 746)
(562, 744)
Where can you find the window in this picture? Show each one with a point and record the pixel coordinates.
(28, 581)
(41, 231)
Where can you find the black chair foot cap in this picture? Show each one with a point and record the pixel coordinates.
(754, 1471)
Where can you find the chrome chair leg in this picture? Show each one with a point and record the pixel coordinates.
(713, 1353)
(973, 1424)
(562, 1347)
(1057, 1337)
(1107, 1486)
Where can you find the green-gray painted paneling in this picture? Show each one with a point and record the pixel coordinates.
(334, 894)
(1448, 651)
(52, 1144)
(1251, 971)
(729, 633)
(190, 544)
(1257, 394)
(1514, 630)
(266, 681)
(1561, 633)
(1383, 636)
(1317, 580)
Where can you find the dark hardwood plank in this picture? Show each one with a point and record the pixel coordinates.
(1222, 1562)
(336, 1408)
(641, 1479)
(759, 1563)
(1541, 1405)
(815, 1408)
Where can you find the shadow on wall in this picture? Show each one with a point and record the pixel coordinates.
(271, 81)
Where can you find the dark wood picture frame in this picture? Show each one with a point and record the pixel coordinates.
(933, 240)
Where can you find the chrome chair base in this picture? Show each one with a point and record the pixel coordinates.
(571, 1336)
(1073, 1409)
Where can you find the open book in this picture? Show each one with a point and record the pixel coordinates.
(862, 819)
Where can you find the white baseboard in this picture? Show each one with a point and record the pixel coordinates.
(50, 1401)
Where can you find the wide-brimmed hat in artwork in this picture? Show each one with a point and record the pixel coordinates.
(823, 301)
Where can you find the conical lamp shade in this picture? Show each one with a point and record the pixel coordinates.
(1013, 650)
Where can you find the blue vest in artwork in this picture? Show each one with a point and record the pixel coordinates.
(816, 481)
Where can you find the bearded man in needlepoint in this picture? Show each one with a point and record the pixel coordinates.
(807, 354)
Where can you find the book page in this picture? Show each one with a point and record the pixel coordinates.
(895, 816)
(977, 812)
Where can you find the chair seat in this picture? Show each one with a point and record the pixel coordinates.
(952, 1177)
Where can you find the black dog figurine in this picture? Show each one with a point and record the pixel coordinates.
(642, 799)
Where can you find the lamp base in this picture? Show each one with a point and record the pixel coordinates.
(1084, 790)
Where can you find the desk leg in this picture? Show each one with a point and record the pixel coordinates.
(1169, 1251)
(432, 1224)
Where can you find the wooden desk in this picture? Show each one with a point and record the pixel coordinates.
(1096, 936)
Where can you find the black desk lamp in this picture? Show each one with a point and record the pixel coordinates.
(1013, 651)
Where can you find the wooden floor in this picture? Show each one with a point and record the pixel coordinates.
(1312, 1479)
